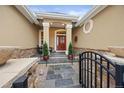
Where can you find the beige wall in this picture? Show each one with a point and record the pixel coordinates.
(108, 30)
(15, 29)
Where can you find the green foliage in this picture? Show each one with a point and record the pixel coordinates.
(45, 49)
(70, 49)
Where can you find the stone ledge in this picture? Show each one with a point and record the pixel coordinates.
(13, 69)
(114, 59)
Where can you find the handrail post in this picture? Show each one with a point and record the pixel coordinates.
(119, 75)
(80, 68)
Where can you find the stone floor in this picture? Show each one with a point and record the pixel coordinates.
(61, 75)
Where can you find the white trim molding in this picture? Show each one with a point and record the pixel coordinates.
(95, 10)
(32, 17)
(86, 31)
(27, 13)
(42, 15)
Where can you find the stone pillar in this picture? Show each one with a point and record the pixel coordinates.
(68, 36)
(40, 31)
(46, 33)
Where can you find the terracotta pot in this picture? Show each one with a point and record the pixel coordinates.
(70, 57)
(45, 58)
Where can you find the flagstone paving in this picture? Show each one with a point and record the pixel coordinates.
(61, 75)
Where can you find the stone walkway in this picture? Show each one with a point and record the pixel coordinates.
(61, 75)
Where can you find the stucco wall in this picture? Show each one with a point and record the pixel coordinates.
(108, 30)
(52, 36)
(15, 29)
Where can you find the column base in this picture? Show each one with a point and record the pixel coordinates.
(66, 52)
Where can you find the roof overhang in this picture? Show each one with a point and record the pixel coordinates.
(32, 17)
(95, 10)
(28, 14)
(59, 16)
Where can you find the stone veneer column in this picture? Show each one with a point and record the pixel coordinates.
(46, 33)
(68, 36)
(40, 31)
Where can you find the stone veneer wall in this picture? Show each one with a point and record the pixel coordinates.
(80, 50)
(24, 53)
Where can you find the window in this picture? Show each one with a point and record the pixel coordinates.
(88, 26)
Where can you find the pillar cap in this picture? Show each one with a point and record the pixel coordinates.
(69, 26)
(46, 24)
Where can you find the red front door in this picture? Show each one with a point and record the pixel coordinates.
(61, 42)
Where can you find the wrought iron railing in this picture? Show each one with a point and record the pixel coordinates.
(95, 70)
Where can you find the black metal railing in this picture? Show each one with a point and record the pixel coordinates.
(95, 70)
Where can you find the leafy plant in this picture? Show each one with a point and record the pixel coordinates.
(70, 49)
(45, 49)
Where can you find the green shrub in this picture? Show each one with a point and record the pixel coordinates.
(70, 49)
(45, 49)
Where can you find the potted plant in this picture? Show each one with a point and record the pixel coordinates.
(45, 52)
(70, 52)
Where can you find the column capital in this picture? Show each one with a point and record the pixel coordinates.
(69, 26)
(45, 24)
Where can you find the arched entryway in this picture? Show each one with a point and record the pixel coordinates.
(60, 40)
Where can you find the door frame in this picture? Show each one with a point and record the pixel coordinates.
(60, 30)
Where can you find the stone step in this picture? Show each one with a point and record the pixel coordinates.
(58, 60)
(62, 54)
(75, 86)
(51, 61)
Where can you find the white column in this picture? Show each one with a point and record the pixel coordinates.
(68, 36)
(40, 31)
(46, 33)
